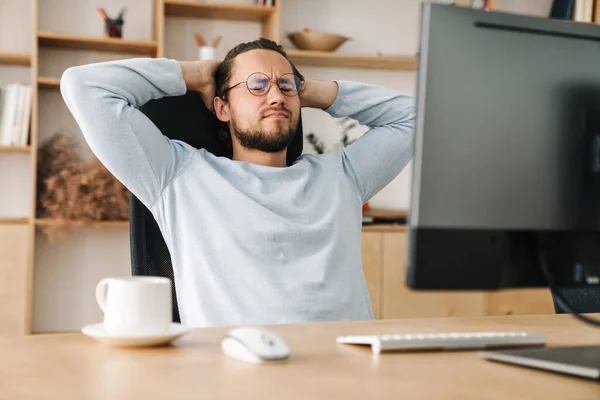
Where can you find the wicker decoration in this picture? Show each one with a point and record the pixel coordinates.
(73, 192)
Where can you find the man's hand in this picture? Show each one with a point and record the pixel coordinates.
(200, 76)
(318, 94)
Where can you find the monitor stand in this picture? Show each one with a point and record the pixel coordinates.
(580, 361)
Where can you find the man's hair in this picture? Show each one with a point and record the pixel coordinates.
(224, 71)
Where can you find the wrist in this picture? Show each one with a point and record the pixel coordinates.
(318, 94)
(194, 75)
(187, 72)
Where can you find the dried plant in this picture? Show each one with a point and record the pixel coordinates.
(74, 192)
(316, 143)
(346, 123)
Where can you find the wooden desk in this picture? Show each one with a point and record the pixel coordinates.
(73, 366)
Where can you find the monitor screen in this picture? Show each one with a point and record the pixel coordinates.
(507, 153)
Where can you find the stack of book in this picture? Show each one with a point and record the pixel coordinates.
(587, 11)
(15, 112)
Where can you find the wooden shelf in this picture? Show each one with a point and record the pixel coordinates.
(385, 213)
(13, 221)
(82, 224)
(231, 12)
(96, 44)
(48, 83)
(385, 220)
(15, 59)
(15, 149)
(332, 59)
(384, 228)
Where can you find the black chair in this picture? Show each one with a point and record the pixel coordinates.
(184, 118)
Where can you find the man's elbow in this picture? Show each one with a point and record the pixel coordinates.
(75, 86)
(69, 81)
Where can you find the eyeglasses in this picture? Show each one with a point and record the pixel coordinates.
(259, 84)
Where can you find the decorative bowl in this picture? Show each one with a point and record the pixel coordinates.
(309, 39)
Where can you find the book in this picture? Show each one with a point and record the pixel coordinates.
(15, 114)
(562, 9)
(588, 14)
(9, 109)
(584, 10)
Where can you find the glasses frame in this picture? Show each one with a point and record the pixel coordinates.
(270, 84)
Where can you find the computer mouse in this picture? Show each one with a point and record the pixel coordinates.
(255, 345)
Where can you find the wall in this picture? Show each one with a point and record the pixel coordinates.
(67, 270)
(15, 196)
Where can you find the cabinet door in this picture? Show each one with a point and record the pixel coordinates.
(371, 258)
(399, 301)
(13, 278)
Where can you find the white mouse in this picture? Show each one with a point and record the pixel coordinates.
(255, 345)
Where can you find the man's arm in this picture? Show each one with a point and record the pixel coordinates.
(104, 99)
(376, 158)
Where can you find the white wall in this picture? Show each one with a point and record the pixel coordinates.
(67, 270)
(386, 27)
(15, 168)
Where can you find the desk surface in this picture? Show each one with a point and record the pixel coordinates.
(73, 366)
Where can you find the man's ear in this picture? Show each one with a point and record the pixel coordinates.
(221, 109)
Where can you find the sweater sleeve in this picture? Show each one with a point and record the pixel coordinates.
(377, 157)
(104, 99)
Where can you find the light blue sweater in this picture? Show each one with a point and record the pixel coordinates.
(249, 244)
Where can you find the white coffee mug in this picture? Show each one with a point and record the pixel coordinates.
(136, 305)
(206, 53)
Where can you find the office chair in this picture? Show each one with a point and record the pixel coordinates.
(184, 118)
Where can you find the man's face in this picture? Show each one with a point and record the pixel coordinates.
(268, 122)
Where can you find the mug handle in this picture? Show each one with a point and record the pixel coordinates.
(101, 292)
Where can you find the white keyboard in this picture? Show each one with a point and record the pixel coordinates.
(445, 341)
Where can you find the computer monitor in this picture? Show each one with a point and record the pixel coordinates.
(507, 154)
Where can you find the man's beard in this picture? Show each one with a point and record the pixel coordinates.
(254, 138)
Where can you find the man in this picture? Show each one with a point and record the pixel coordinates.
(252, 241)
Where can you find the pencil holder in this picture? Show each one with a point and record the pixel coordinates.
(113, 29)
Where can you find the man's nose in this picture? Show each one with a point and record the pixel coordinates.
(275, 95)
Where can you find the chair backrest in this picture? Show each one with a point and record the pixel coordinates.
(184, 118)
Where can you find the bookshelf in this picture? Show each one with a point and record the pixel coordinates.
(15, 149)
(44, 222)
(14, 221)
(269, 18)
(228, 12)
(22, 230)
(61, 41)
(48, 83)
(15, 59)
(341, 60)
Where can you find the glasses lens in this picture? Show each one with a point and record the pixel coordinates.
(258, 84)
(289, 84)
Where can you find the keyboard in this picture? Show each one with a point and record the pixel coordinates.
(445, 341)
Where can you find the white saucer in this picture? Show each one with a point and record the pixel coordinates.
(97, 332)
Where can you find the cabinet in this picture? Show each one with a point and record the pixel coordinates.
(14, 283)
(384, 266)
